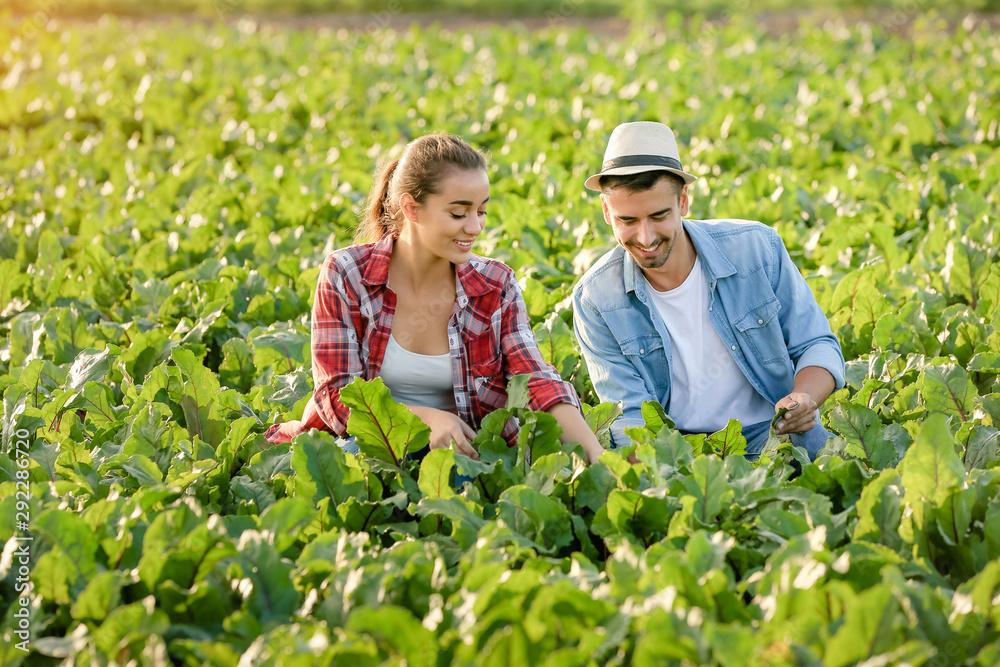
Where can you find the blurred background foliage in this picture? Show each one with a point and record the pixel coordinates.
(492, 8)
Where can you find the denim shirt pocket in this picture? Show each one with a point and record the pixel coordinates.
(641, 345)
(761, 331)
(646, 353)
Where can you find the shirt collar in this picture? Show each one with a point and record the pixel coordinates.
(470, 281)
(715, 264)
(376, 270)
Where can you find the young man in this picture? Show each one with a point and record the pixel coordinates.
(709, 318)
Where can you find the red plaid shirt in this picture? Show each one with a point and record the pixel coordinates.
(489, 336)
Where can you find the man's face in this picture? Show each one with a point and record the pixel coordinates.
(648, 223)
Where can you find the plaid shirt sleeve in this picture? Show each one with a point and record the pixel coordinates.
(519, 348)
(336, 357)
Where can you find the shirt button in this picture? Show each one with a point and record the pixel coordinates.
(709, 309)
(642, 351)
(734, 347)
(760, 321)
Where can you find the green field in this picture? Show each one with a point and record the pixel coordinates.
(168, 192)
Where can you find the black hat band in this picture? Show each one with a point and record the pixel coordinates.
(642, 161)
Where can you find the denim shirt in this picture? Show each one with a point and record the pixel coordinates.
(759, 303)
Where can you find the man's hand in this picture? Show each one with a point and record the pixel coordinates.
(447, 428)
(813, 385)
(801, 415)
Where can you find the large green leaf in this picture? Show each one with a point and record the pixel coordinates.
(708, 488)
(872, 625)
(435, 474)
(539, 518)
(931, 469)
(593, 486)
(863, 431)
(983, 448)
(69, 535)
(728, 441)
(538, 437)
(599, 419)
(655, 417)
(199, 398)
(132, 625)
(384, 429)
(947, 388)
(880, 510)
(399, 632)
(518, 394)
(143, 470)
(323, 471)
(557, 345)
(466, 516)
(643, 515)
(237, 369)
(282, 350)
(89, 366)
(286, 519)
(101, 596)
(12, 280)
(265, 588)
(18, 418)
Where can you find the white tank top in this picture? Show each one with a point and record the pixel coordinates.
(418, 379)
(707, 388)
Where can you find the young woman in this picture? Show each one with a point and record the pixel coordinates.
(444, 328)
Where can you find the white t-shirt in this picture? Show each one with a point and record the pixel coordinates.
(418, 379)
(707, 387)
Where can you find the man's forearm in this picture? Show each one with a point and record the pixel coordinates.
(815, 381)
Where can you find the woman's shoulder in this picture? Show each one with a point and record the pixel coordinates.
(352, 257)
(493, 271)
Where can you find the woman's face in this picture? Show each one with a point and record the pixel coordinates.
(447, 223)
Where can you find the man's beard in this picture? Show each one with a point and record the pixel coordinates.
(657, 260)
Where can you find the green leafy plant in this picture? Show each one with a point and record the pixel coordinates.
(169, 194)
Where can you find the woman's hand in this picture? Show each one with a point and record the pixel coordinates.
(280, 433)
(447, 428)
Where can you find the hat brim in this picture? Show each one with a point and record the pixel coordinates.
(593, 182)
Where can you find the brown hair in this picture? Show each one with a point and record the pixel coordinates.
(418, 171)
(644, 180)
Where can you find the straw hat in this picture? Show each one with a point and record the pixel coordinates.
(637, 147)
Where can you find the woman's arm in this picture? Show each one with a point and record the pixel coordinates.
(285, 431)
(575, 429)
(336, 356)
(549, 392)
